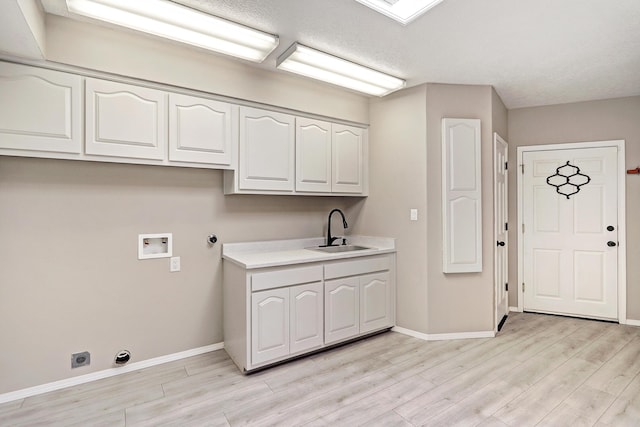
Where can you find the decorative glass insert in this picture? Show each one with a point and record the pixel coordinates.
(568, 180)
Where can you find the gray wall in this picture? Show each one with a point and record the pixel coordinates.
(405, 141)
(584, 121)
(397, 183)
(71, 280)
(70, 277)
(458, 302)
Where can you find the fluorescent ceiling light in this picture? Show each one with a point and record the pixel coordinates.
(403, 11)
(322, 66)
(173, 21)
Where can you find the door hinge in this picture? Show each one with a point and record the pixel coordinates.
(523, 228)
(522, 286)
(506, 226)
(506, 166)
(506, 287)
(522, 168)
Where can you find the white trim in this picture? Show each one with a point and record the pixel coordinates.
(515, 310)
(622, 229)
(441, 337)
(631, 322)
(106, 373)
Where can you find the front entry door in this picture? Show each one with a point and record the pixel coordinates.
(570, 232)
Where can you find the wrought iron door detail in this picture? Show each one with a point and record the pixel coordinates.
(567, 180)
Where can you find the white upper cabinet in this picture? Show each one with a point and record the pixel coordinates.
(199, 130)
(461, 196)
(329, 157)
(40, 110)
(123, 120)
(347, 159)
(313, 155)
(53, 114)
(267, 150)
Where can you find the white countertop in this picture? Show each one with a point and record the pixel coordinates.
(275, 253)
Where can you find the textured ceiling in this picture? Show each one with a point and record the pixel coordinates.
(534, 52)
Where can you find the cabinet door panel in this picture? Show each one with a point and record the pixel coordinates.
(269, 325)
(40, 110)
(342, 314)
(306, 317)
(461, 196)
(375, 302)
(125, 120)
(347, 153)
(313, 155)
(199, 130)
(267, 150)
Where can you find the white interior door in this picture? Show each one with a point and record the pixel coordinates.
(570, 233)
(500, 216)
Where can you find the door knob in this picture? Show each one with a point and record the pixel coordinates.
(610, 228)
(500, 243)
(611, 243)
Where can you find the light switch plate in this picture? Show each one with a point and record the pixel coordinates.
(174, 264)
(414, 214)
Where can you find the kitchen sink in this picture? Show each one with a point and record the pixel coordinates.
(341, 248)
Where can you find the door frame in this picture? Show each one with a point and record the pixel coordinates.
(622, 228)
(498, 139)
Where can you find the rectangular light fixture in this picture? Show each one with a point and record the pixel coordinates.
(312, 63)
(403, 11)
(180, 23)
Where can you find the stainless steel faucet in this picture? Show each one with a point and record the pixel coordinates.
(331, 239)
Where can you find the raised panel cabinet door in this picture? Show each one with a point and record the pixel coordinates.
(313, 155)
(347, 157)
(341, 309)
(125, 121)
(461, 196)
(306, 326)
(269, 325)
(267, 150)
(199, 130)
(40, 110)
(375, 302)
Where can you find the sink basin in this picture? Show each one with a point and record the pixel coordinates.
(341, 248)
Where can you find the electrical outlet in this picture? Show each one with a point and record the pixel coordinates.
(80, 359)
(414, 214)
(174, 264)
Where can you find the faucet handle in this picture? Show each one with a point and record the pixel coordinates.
(344, 241)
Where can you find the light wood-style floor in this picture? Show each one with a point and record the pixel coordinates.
(540, 370)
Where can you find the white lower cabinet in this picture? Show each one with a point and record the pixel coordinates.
(269, 325)
(341, 310)
(375, 302)
(306, 328)
(285, 321)
(273, 314)
(357, 305)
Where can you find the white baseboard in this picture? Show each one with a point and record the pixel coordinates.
(632, 322)
(515, 309)
(68, 382)
(441, 337)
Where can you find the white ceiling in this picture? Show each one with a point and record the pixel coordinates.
(534, 52)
